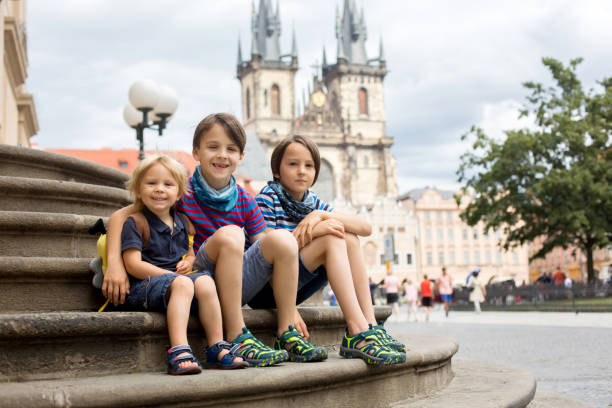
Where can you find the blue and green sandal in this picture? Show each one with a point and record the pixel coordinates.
(371, 353)
(387, 340)
(301, 350)
(255, 352)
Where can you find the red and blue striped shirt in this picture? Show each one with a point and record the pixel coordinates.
(206, 220)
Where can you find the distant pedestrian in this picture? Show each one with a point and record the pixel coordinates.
(392, 285)
(445, 287)
(373, 287)
(478, 292)
(426, 296)
(411, 297)
(559, 276)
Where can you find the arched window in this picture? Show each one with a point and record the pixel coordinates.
(363, 101)
(324, 187)
(275, 97)
(248, 103)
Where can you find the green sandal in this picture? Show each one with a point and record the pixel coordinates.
(387, 340)
(301, 350)
(255, 352)
(371, 353)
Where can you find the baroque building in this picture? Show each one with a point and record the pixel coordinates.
(344, 113)
(18, 120)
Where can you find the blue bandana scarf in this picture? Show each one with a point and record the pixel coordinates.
(221, 200)
(295, 210)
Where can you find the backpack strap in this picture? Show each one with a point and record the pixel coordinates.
(142, 226)
(190, 229)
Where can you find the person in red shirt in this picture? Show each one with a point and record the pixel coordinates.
(426, 296)
(558, 276)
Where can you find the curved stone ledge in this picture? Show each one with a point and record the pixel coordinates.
(33, 163)
(53, 196)
(38, 234)
(334, 382)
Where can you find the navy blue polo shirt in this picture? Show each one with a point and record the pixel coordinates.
(165, 248)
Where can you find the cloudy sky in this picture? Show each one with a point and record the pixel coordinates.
(452, 64)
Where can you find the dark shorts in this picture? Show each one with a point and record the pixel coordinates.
(392, 298)
(308, 284)
(150, 294)
(426, 301)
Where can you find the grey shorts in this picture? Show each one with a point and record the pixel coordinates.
(150, 294)
(256, 271)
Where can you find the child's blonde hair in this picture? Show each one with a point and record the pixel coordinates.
(175, 168)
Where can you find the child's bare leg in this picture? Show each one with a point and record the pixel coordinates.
(331, 251)
(360, 276)
(177, 313)
(210, 312)
(226, 248)
(279, 248)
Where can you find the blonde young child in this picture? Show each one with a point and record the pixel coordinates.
(222, 213)
(161, 269)
(329, 249)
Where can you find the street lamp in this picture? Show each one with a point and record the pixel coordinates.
(149, 102)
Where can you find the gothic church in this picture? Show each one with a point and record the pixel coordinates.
(344, 113)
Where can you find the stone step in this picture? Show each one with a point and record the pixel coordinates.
(479, 384)
(53, 196)
(335, 382)
(52, 345)
(33, 163)
(42, 234)
(38, 284)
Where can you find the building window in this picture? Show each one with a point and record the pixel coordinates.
(363, 101)
(265, 97)
(366, 161)
(477, 257)
(248, 103)
(466, 257)
(450, 234)
(475, 232)
(275, 96)
(429, 258)
(123, 164)
(451, 257)
(409, 259)
(427, 215)
(498, 257)
(449, 215)
(515, 258)
(465, 234)
(488, 257)
(428, 234)
(440, 234)
(439, 215)
(440, 258)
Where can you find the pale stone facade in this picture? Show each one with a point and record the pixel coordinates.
(18, 120)
(445, 240)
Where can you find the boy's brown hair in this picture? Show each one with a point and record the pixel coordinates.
(279, 152)
(228, 121)
(175, 168)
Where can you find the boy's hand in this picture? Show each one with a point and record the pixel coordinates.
(303, 231)
(329, 226)
(185, 266)
(116, 284)
(300, 326)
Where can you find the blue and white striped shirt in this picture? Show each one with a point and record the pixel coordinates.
(273, 211)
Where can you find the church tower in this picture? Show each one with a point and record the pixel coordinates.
(267, 78)
(364, 166)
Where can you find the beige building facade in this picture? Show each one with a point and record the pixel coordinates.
(445, 240)
(18, 120)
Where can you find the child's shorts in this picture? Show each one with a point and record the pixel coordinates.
(256, 271)
(308, 283)
(150, 294)
(447, 298)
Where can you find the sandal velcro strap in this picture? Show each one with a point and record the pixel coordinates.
(227, 361)
(174, 360)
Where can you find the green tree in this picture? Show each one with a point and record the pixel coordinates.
(553, 181)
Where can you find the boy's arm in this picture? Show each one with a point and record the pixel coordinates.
(116, 283)
(137, 267)
(352, 223)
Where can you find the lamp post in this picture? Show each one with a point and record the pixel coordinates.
(149, 102)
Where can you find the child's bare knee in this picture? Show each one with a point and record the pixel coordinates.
(205, 286)
(281, 240)
(351, 239)
(230, 236)
(182, 284)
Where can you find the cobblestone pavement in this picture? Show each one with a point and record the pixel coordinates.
(569, 354)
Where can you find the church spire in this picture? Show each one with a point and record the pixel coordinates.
(265, 31)
(239, 52)
(351, 34)
(324, 59)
